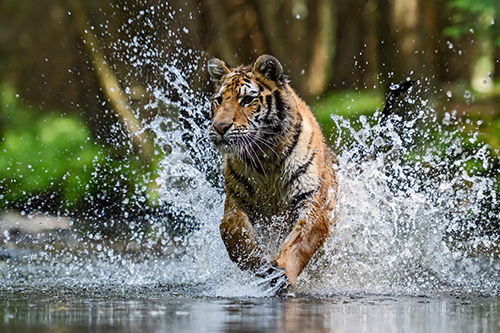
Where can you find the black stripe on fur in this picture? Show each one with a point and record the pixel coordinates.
(270, 106)
(248, 187)
(280, 105)
(301, 170)
(298, 201)
(297, 130)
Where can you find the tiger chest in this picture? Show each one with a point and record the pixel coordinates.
(268, 195)
(264, 196)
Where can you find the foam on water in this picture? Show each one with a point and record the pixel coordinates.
(411, 219)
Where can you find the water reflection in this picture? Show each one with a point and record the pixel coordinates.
(27, 311)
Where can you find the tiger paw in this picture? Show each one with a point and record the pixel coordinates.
(275, 276)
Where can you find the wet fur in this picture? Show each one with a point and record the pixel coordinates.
(280, 183)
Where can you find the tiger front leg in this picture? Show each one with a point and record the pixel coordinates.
(298, 248)
(239, 237)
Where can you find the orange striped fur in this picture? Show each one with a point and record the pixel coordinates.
(281, 187)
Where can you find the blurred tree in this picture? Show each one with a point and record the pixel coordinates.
(475, 16)
(111, 87)
(478, 19)
(323, 44)
(107, 59)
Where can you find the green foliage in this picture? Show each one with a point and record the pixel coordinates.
(52, 159)
(348, 104)
(481, 16)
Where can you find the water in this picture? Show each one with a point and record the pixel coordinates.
(157, 313)
(416, 245)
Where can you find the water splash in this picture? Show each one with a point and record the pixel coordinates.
(415, 217)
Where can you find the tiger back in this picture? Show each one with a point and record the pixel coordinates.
(280, 183)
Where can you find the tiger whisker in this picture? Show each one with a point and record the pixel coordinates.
(252, 151)
(265, 142)
(249, 152)
(205, 137)
(264, 132)
(255, 153)
(256, 143)
(243, 151)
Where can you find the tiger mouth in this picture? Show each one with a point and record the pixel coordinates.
(232, 144)
(219, 139)
(224, 145)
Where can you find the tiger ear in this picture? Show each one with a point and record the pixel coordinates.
(217, 69)
(269, 67)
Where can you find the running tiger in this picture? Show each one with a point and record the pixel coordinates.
(280, 181)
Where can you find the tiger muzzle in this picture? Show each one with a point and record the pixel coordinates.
(222, 128)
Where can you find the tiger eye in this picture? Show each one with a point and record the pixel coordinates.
(217, 101)
(247, 100)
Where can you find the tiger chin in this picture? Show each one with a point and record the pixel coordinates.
(280, 181)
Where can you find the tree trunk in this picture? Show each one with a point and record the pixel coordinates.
(322, 47)
(112, 89)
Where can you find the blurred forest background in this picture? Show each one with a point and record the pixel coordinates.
(71, 90)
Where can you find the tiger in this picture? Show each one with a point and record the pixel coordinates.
(279, 173)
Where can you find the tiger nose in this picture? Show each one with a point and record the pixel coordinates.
(222, 128)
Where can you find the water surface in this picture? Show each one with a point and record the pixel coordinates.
(153, 311)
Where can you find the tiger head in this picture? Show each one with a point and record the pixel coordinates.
(249, 106)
